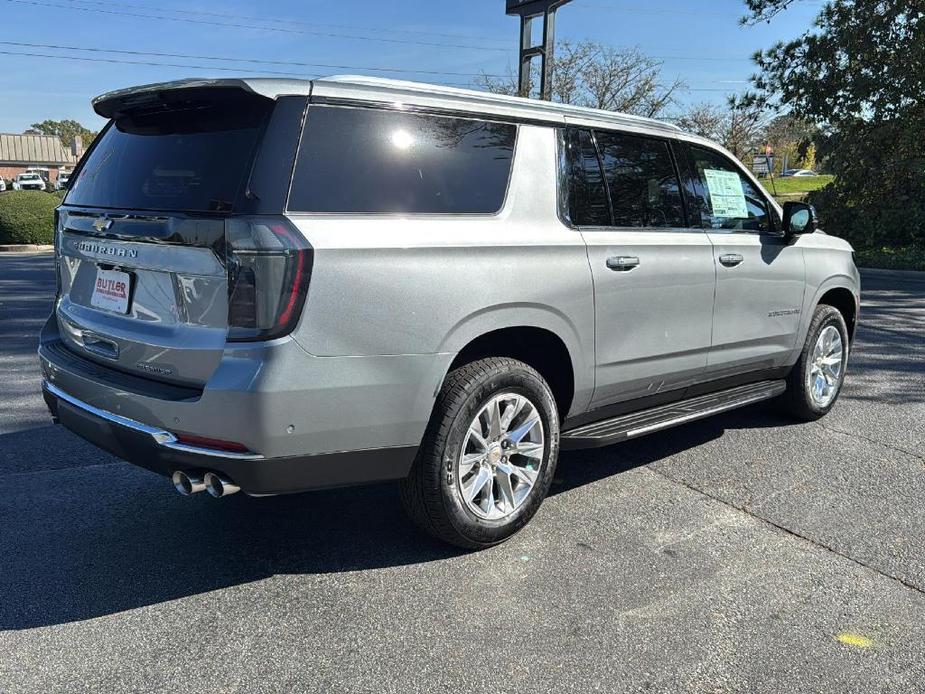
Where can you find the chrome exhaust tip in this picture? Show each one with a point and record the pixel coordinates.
(219, 486)
(187, 482)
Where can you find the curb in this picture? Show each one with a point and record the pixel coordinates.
(904, 274)
(25, 248)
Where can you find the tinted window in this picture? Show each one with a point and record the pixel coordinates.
(644, 189)
(367, 161)
(194, 158)
(729, 200)
(587, 196)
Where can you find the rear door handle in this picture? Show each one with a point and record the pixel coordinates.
(731, 259)
(622, 263)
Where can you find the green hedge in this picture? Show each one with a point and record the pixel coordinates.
(904, 258)
(27, 216)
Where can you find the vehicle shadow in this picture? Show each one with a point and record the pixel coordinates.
(85, 536)
(109, 537)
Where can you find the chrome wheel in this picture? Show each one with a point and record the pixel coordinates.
(826, 367)
(501, 456)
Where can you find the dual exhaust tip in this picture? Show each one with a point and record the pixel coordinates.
(190, 482)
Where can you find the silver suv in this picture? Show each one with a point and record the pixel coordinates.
(280, 285)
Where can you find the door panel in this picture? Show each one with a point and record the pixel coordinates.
(653, 319)
(758, 302)
(760, 278)
(653, 277)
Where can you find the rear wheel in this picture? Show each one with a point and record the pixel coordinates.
(816, 379)
(488, 456)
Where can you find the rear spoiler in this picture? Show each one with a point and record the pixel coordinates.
(151, 96)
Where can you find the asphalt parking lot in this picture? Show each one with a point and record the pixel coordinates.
(742, 553)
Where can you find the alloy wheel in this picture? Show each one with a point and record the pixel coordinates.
(501, 456)
(826, 367)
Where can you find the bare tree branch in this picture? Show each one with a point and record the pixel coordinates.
(591, 74)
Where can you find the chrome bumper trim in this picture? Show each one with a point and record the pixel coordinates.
(160, 436)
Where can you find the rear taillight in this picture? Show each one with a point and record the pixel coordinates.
(269, 265)
(57, 243)
(214, 444)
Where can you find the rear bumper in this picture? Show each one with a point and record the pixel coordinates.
(310, 422)
(159, 451)
(274, 398)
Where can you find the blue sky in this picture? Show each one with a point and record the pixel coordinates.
(699, 40)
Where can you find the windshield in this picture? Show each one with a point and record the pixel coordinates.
(28, 177)
(190, 157)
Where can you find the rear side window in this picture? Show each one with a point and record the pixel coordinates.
(728, 200)
(186, 157)
(641, 177)
(587, 195)
(358, 160)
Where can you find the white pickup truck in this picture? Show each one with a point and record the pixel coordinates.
(28, 181)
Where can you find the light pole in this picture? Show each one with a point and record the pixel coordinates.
(530, 11)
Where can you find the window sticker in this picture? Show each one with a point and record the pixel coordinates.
(726, 194)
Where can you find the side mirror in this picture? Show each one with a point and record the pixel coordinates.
(799, 218)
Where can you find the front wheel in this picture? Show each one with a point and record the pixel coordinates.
(488, 455)
(816, 379)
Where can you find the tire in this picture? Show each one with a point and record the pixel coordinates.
(799, 400)
(433, 492)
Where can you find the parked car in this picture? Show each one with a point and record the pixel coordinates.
(2, 185)
(62, 180)
(799, 172)
(28, 181)
(327, 283)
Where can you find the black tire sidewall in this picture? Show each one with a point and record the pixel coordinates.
(826, 316)
(522, 381)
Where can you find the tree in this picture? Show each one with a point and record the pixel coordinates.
(859, 77)
(740, 126)
(706, 120)
(790, 139)
(591, 74)
(808, 160)
(65, 130)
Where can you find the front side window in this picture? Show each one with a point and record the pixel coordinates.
(367, 161)
(728, 200)
(644, 187)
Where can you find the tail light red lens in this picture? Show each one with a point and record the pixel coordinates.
(269, 266)
(214, 444)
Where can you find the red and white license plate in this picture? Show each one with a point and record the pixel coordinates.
(111, 290)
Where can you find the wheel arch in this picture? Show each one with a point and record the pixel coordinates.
(842, 299)
(547, 343)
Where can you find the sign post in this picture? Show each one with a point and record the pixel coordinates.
(530, 11)
(763, 165)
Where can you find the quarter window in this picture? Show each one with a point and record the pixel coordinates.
(641, 177)
(359, 160)
(587, 195)
(728, 200)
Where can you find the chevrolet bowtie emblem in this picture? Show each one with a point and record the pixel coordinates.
(102, 223)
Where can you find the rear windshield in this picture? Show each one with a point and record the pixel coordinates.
(187, 156)
(379, 161)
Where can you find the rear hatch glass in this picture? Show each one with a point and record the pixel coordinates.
(191, 155)
(142, 233)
